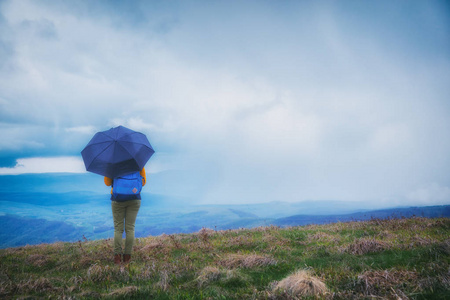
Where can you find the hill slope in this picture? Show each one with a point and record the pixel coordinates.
(441, 211)
(406, 258)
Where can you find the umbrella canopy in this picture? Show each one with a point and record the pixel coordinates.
(116, 152)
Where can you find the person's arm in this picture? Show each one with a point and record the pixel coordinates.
(108, 181)
(144, 179)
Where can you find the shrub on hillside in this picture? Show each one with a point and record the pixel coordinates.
(301, 284)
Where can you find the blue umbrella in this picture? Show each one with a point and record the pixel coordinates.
(116, 152)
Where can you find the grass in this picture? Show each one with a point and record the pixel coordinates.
(389, 259)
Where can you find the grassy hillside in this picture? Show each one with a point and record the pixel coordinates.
(396, 258)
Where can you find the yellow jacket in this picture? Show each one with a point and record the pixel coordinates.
(109, 181)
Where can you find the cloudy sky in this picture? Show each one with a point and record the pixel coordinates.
(243, 101)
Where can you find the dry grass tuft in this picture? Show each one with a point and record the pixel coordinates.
(323, 237)
(4, 276)
(74, 283)
(86, 261)
(418, 241)
(40, 285)
(98, 273)
(76, 280)
(37, 260)
(319, 236)
(124, 292)
(387, 235)
(146, 271)
(146, 249)
(274, 243)
(205, 233)
(154, 245)
(364, 246)
(89, 295)
(442, 223)
(386, 282)
(445, 280)
(444, 247)
(241, 241)
(247, 261)
(175, 240)
(301, 284)
(209, 274)
(212, 274)
(269, 228)
(6, 288)
(164, 280)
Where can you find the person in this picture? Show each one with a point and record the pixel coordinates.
(124, 210)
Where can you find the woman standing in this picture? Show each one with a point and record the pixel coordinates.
(125, 206)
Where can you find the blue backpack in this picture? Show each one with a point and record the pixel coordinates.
(130, 184)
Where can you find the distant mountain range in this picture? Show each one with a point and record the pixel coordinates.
(45, 208)
(44, 218)
(404, 212)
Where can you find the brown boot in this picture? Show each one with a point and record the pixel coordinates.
(126, 258)
(117, 259)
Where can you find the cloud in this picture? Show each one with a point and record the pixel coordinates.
(72, 164)
(431, 194)
(137, 124)
(16, 138)
(46, 165)
(82, 129)
(255, 102)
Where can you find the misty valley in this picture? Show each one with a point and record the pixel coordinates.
(34, 218)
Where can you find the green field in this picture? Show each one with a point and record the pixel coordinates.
(389, 259)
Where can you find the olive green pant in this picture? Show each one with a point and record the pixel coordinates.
(124, 213)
